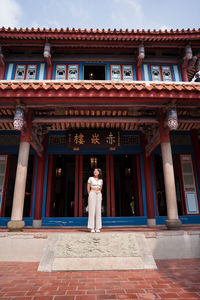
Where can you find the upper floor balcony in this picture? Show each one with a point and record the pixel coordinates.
(64, 54)
(114, 71)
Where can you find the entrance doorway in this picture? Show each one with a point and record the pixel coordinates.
(10, 174)
(90, 162)
(67, 185)
(126, 186)
(61, 182)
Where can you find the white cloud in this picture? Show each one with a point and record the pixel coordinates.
(59, 14)
(10, 13)
(50, 24)
(127, 14)
(134, 3)
(78, 13)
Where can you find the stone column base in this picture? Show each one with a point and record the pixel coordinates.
(16, 225)
(173, 224)
(37, 223)
(151, 222)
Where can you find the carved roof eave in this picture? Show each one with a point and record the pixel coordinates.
(100, 92)
(99, 35)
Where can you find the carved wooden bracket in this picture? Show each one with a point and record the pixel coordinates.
(153, 141)
(36, 139)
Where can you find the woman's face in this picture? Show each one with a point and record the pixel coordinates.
(96, 172)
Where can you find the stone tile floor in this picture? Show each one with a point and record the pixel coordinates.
(174, 279)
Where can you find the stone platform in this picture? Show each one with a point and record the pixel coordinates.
(38, 245)
(94, 251)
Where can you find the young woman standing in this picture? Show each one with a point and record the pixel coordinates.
(94, 188)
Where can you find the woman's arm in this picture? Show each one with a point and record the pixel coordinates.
(88, 188)
(101, 186)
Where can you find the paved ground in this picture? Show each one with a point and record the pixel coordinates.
(174, 279)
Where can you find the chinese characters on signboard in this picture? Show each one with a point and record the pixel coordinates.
(94, 139)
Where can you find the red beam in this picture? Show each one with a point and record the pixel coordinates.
(90, 119)
(117, 95)
(84, 104)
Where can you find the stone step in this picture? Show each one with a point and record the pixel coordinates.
(97, 251)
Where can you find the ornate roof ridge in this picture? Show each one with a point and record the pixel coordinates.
(99, 31)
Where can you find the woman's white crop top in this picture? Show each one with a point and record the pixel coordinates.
(95, 183)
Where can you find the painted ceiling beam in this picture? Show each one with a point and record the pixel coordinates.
(96, 119)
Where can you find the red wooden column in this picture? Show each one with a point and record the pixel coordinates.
(141, 55)
(49, 72)
(2, 65)
(48, 59)
(3, 204)
(49, 186)
(37, 221)
(76, 194)
(108, 183)
(148, 185)
(139, 185)
(32, 186)
(196, 148)
(80, 186)
(139, 72)
(112, 186)
(2, 72)
(184, 74)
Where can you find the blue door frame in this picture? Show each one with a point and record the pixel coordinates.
(82, 221)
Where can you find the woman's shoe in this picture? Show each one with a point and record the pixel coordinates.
(92, 230)
(97, 230)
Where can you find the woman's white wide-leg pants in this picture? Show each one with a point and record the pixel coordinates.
(94, 210)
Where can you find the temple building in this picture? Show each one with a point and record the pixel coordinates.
(123, 101)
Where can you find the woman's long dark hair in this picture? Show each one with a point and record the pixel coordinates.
(100, 173)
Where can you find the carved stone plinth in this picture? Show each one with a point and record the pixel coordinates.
(97, 251)
(16, 225)
(173, 224)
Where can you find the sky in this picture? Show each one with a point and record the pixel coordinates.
(119, 14)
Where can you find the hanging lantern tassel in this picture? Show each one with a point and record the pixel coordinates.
(172, 118)
(18, 119)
